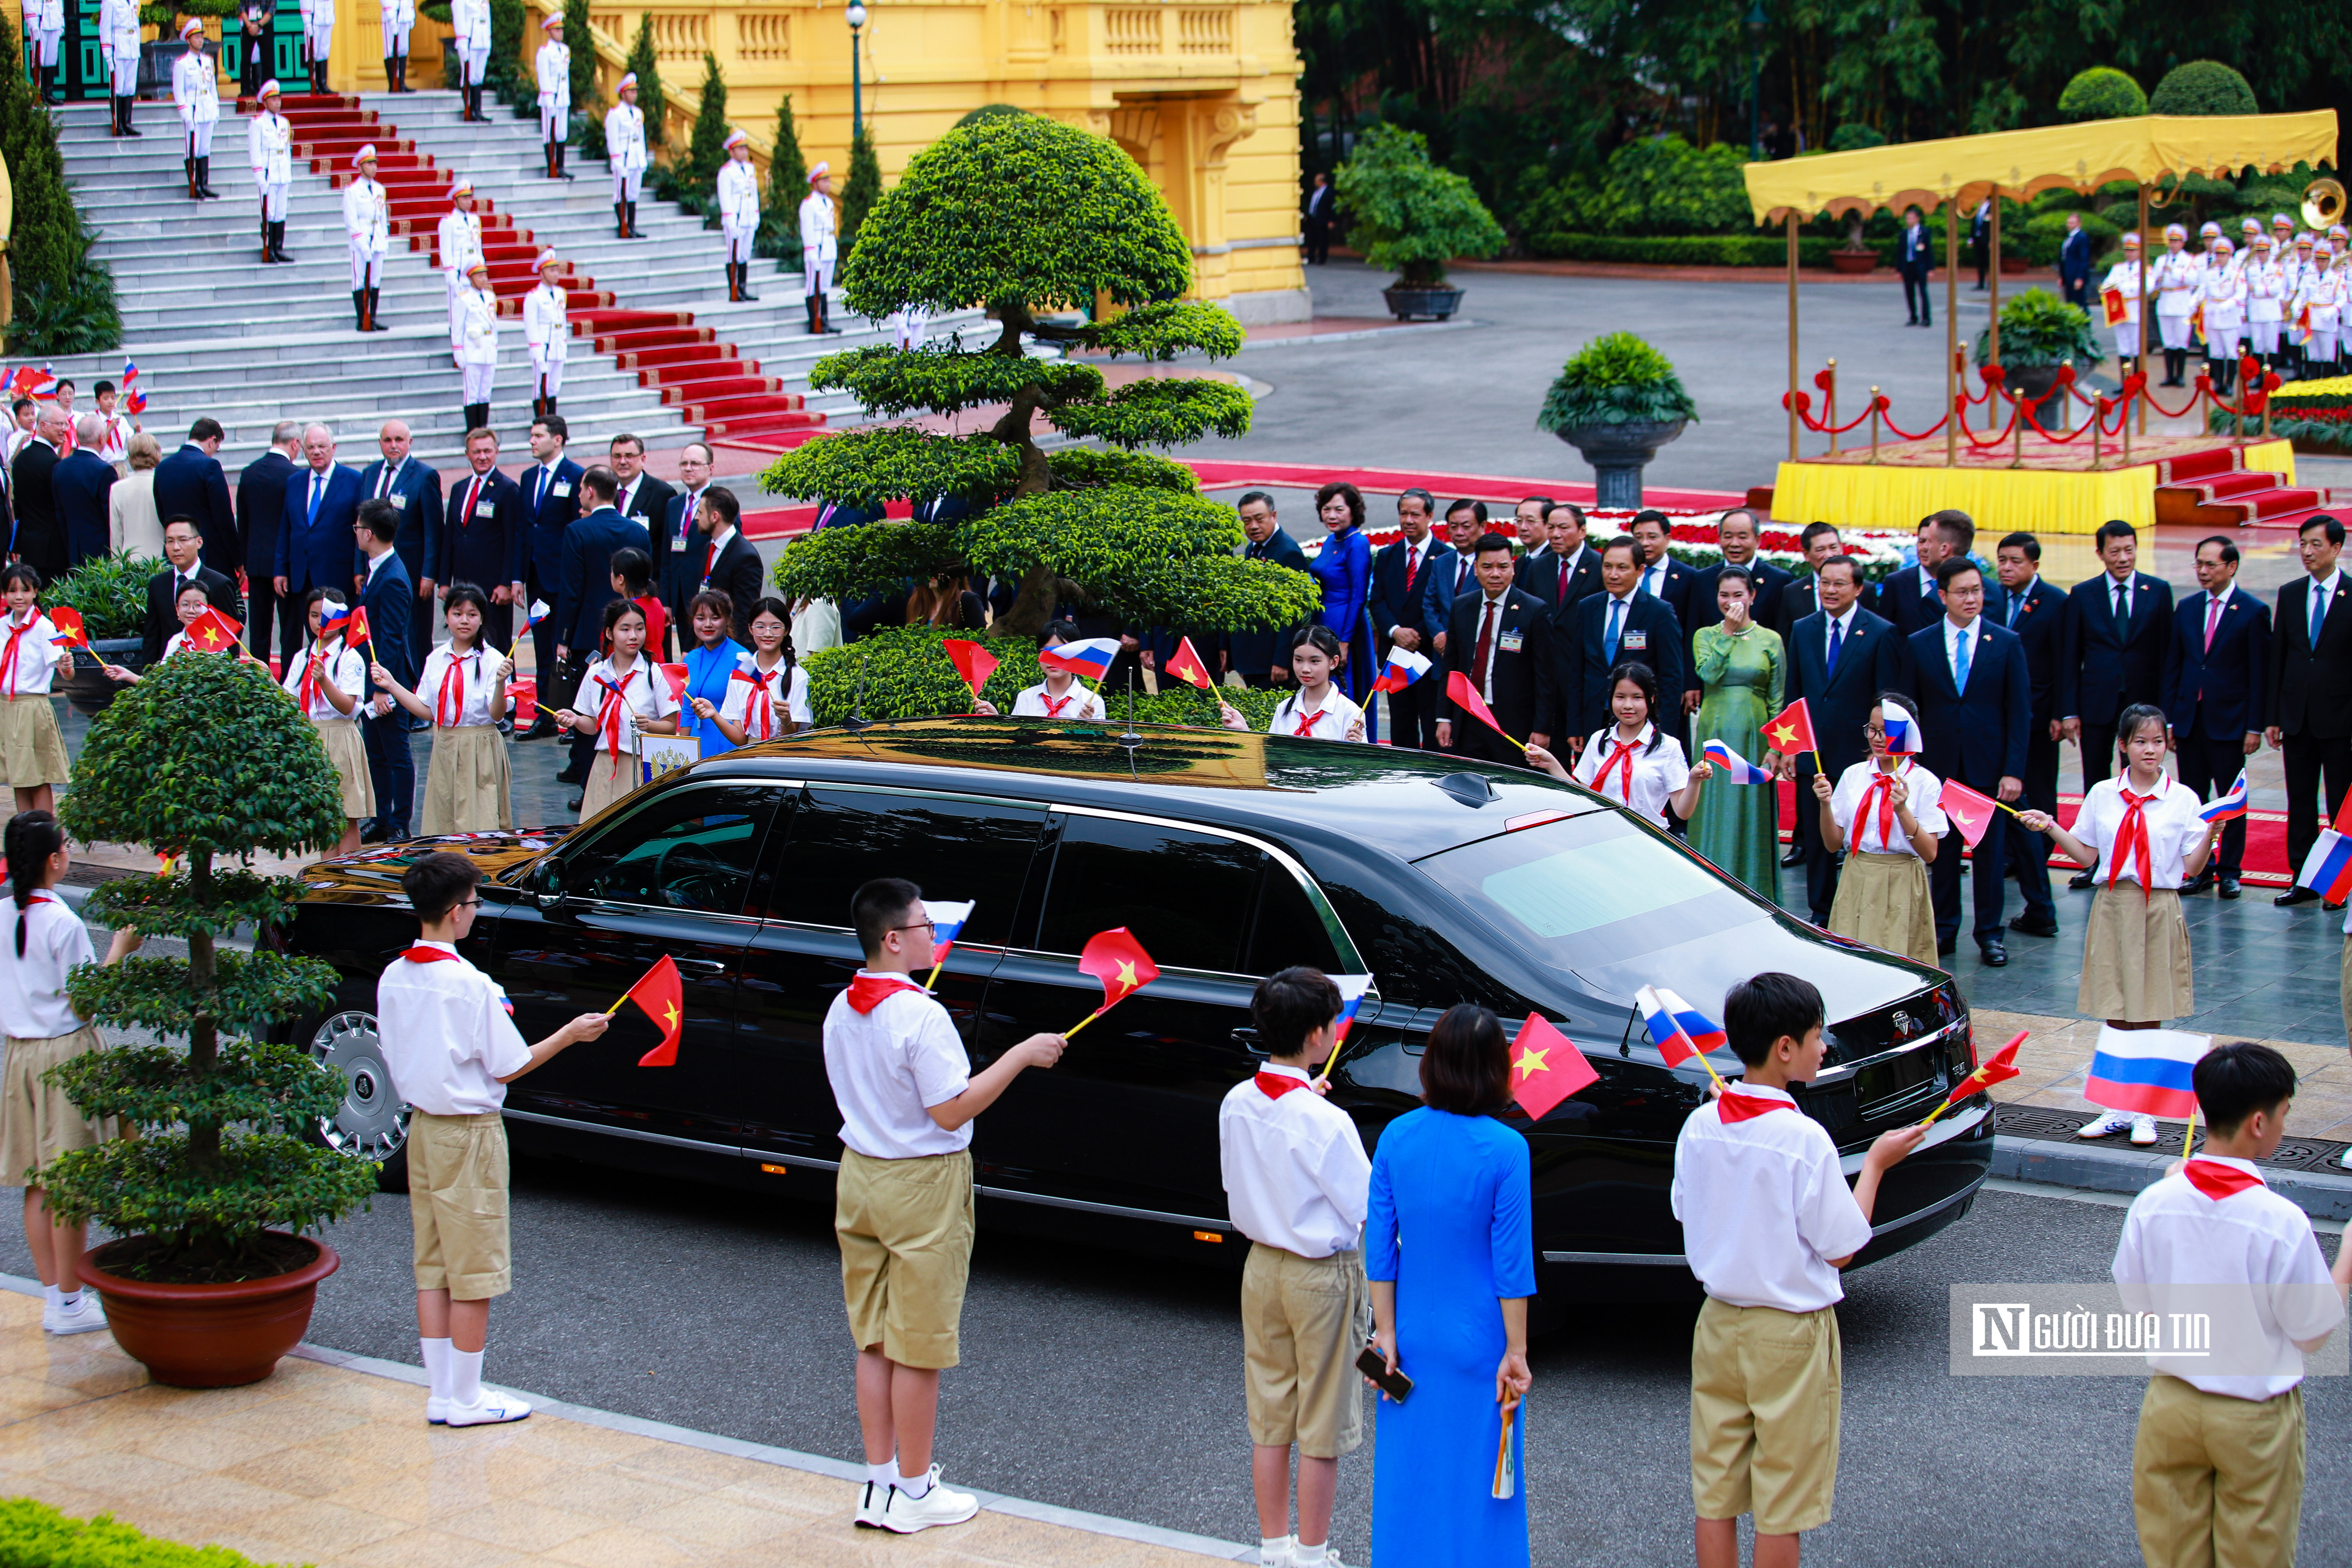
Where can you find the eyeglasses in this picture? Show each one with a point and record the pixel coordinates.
(931, 926)
(474, 903)
(1873, 732)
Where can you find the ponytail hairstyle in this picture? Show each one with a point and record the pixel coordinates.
(30, 839)
(2127, 725)
(1643, 676)
(615, 610)
(768, 604)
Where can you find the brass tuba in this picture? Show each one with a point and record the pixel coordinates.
(2323, 204)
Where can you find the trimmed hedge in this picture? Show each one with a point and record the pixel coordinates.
(35, 1535)
(1695, 249)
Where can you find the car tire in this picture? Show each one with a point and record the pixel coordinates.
(372, 1123)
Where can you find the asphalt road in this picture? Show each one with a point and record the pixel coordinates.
(1112, 1383)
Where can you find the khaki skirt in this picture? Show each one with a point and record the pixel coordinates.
(609, 778)
(348, 753)
(2136, 957)
(32, 749)
(469, 784)
(1882, 900)
(38, 1122)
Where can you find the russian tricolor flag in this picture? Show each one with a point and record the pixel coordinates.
(947, 919)
(1352, 988)
(539, 612)
(1737, 769)
(2147, 1072)
(1405, 667)
(2327, 869)
(1680, 1031)
(1903, 736)
(2231, 804)
(1090, 659)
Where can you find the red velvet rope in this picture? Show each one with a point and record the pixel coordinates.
(1804, 411)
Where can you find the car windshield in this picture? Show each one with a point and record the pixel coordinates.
(1620, 907)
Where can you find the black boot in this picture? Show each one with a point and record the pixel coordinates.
(129, 129)
(195, 194)
(278, 241)
(561, 172)
(743, 273)
(812, 328)
(359, 310)
(375, 311)
(632, 222)
(551, 406)
(49, 93)
(391, 76)
(620, 220)
(205, 178)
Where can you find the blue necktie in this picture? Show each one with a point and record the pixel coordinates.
(1960, 662)
(1608, 638)
(318, 487)
(2318, 611)
(1837, 641)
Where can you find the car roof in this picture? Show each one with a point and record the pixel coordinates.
(1409, 802)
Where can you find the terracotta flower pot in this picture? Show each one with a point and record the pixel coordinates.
(1853, 261)
(210, 1336)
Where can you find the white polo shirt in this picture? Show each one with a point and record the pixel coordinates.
(1077, 702)
(2175, 1234)
(1764, 1206)
(447, 1035)
(1296, 1173)
(1655, 774)
(28, 657)
(2170, 820)
(1864, 835)
(889, 1065)
(33, 1004)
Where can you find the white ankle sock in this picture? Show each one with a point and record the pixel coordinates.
(1305, 1556)
(1273, 1548)
(885, 1474)
(436, 1367)
(50, 1297)
(915, 1486)
(465, 1376)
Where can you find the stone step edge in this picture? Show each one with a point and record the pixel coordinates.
(2091, 1168)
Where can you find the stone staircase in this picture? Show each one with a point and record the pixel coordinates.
(657, 348)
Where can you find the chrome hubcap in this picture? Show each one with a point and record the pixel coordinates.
(373, 1122)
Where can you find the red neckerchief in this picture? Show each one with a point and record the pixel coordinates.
(1274, 1086)
(1732, 1107)
(1881, 788)
(423, 954)
(2131, 838)
(456, 701)
(2218, 1181)
(609, 710)
(1624, 755)
(1053, 705)
(8, 657)
(1303, 719)
(868, 992)
(308, 691)
(761, 695)
(709, 559)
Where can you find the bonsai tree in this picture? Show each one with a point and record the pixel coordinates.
(206, 757)
(1408, 216)
(2203, 87)
(2039, 329)
(1031, 218)
(2102, 92)
(1615, 380)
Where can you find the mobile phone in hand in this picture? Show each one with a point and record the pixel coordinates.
(1374, 1366)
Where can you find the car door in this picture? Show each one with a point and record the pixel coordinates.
(1128, 1117)
(677, 876)
(952, 847)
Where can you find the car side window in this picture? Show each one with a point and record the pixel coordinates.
(952, 850)
(1289, 929)
(1187, 897)
(688, 849)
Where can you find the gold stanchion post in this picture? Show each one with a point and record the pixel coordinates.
(2146, 259)
(1951, 326)
(1792, 223)
(1832, 407)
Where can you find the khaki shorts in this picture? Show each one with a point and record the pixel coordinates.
(38, 1122)
(905, 1228)
(1303, 1321)
(457, 1205)
(1764, 1415)
(2217, 1482)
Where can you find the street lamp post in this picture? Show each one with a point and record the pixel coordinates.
(1756, 23)
(856, 15)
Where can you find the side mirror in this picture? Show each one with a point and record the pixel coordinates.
(547, 881)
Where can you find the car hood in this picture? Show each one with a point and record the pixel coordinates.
(373, 875)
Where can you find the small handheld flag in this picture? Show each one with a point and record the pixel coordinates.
(947, 924)
(1119, 961)
(1090, 659)
(358, 631)
(2145, 1072)
(212, 632)
(2227, 808)
(1405, 667)
(70, 632)
(662, 995)
(2327, 869)
(1352, 990)
(971, 661)
(1737, 769)
(1971, 812)
(1679, 1030)
(2000, 1068)
(1185, 665)
(134, 397)
(1546, 1067)
(1790, 730)
(333, 619)
(1903, 735)
(676, 675)
(539, 612)
(1465, 697)
(2112, 299)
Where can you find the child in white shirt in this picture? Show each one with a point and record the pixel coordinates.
(462, 688)
(1059, 695)
(327, 680)
(1634, 760)
(632, 698)
(1317, 711)
(32, 749)
(1887, 807)
(768, 697)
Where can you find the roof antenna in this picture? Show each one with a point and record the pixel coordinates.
(1130, 739)
(857, 719)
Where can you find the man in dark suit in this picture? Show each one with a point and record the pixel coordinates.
(477, 535)
(1562, 575)
(1315, 220)
(40, 536)
(550, 500)
(1501, 640)
(414, 488)
(385, 594)
(587, 566)
(78, 484)
(641, 496)
(2118, 632)
(1403, 608)
(2036, 612)
(1913, 259)
(2075, 266)
(189, 483)
(1620, 625)
(1975, 700)
(184, 548)
(1799, 600)
(1660, 575)
(673, 531)
(1841, 658)
(314, 531)
(1908, 596)
(2214, 675)
(1261, 657)
(2309, 710)
(1738, 535)
(260, 508)
(729, 562)
(1466, 525)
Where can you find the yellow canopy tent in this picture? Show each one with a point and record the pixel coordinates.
(1959, 169)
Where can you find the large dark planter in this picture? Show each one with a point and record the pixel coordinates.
(1618, 454)
(1406, 302)
(210, 1336)
(2037, 384)
(1853, 261)
(88, 687)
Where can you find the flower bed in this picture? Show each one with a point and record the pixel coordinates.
(2317, 415)
(1692, 540)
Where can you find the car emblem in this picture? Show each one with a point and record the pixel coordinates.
(1903, 1025)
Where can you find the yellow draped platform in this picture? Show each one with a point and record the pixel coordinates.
(1900, 490)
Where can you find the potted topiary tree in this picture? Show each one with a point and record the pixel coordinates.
(2102, 92)
(2039, 332)
(1410, 218)
(1617, 401)
(109, 592)
(209, 1280)
(1856, 254)
(2203, 86)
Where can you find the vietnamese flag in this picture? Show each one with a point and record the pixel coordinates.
(1185, 666)
(212, 632)
(1546, 1067)
(1119, 961)
(1997, 1069)
(357, 632)
(71, 632)
(663, 997)
(1465, 697)
(973, 662)
(1972, 813)
(678, 676)
(1791, 730)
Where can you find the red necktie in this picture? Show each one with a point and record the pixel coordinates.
(1730, 1107)
(2212, 622)
(9, 658)
(1563, 580)
(1621, 759)
(473, 495)
(421, 955)
(449, 701)
(1274, 1086)
(2131, 838)
(1412, 567)
(1882, 791)
(710, 557)
(868, 992)
(1485, 648)
(2218, 1181)
(1053, 705)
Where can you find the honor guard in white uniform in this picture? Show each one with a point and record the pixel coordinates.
(469, 26)
(474, 342)
(555, 66)
(2173, 279)
(547, 328)
(2242, 254)
(2323, 296)
(2123, 277)
(2224, 293)
(398, 18)
(2293, 250)
(739, 213)
(459, 241)
(269, 148)
(196, 92)
(44, 22)
(118, 25)
(820, 245)
(367, 219)
(318, 38)
(624, 145)
(2266, 294)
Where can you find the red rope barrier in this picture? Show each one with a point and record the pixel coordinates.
(1820, 427)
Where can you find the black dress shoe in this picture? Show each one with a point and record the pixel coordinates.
(574, 804)
(1795, 857)
(2294, 896)
(1947, 945)
(2228, 888)
(2198, 883)
(2029, 926)
(572, 776)
(540, 728)
(1996, 956)
(375, 833)
(2082, 879)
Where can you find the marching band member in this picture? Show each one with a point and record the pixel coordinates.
(46, 21)
(469, 22)
(2265, 300)
(319, 39)
(196, 94)
(739, 213)
(547, 329)
(2248, 232)
(625, 146)
(1317, 711)
(367, 219)
(554, 66)
(768, 695)
(474, 342)
(399, 17)
(2224, 293)
(2123, 277)
(269, 148)
(2323, 295)
(2294, 264)
(118, 25)
(460, 241)
(2173, 279)
(820, 245)
(327, 680)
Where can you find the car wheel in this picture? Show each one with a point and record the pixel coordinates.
(372, 1123)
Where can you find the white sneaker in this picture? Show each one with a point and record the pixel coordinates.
(2103, 1125)
(84, 1315)
(2142, 1131)
(938, 1506)
(2345, 1159)
(1276, 1556)
(872, 1499)
(437, 1410)
(488, 1411)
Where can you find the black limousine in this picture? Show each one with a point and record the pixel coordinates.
(1229, 856)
